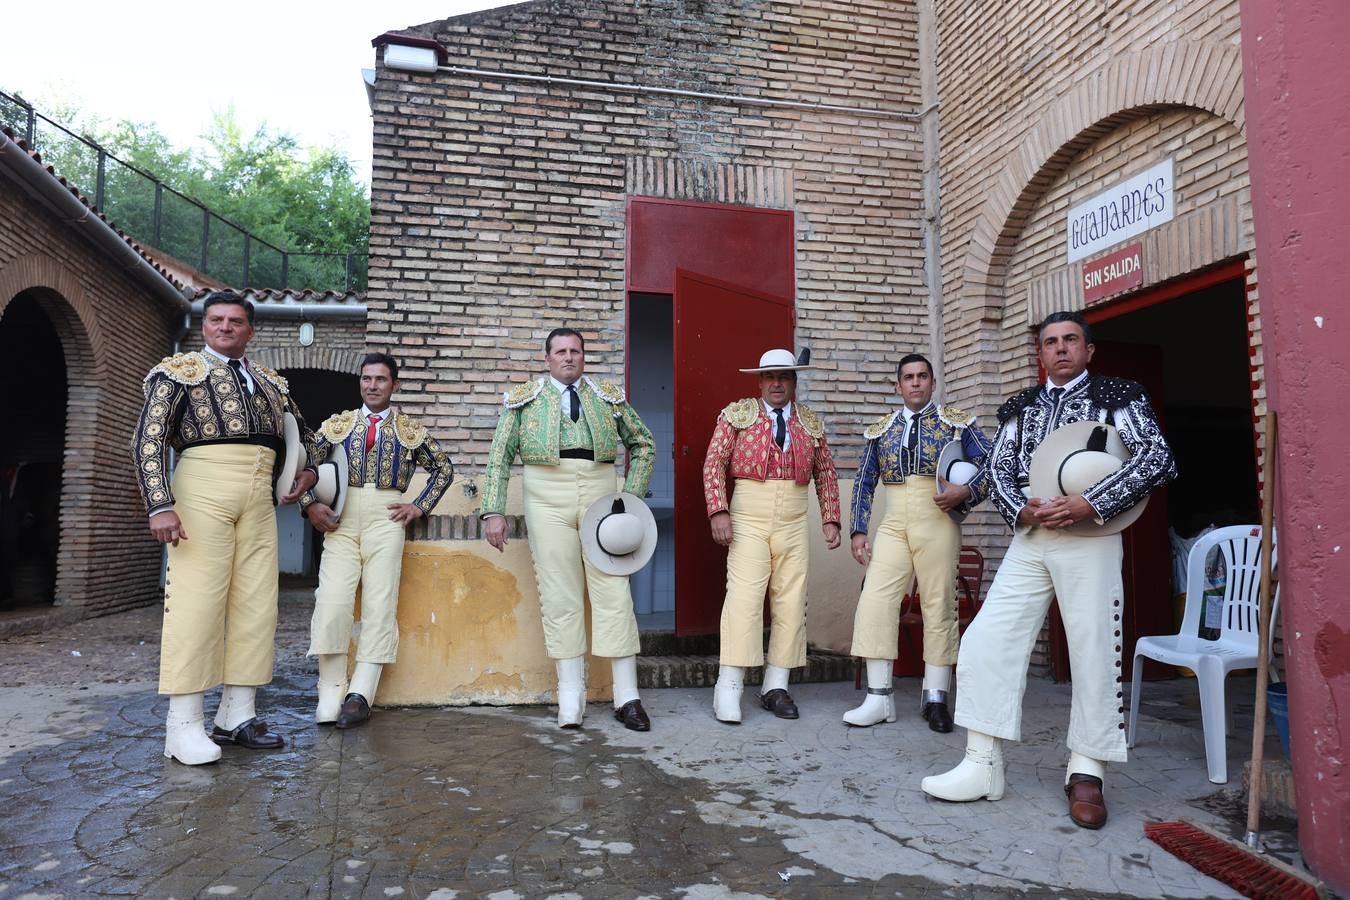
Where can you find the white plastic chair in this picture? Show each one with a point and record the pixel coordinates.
(1236, 646)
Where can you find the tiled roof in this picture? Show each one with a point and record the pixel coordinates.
(274, 296)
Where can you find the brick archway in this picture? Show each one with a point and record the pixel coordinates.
(346, 362)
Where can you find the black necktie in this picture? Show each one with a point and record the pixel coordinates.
(780, 430)
(239, 374)
(573, 402)
(912, 439)
(1055, 394)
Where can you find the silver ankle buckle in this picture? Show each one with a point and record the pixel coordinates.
(881, 692)
(934, 697)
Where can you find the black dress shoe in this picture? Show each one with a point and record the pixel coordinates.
(633, 716)
(355, 711)
(938, 716)
(252, 735)
(779, 703)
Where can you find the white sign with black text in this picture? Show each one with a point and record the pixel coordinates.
(1121, 212)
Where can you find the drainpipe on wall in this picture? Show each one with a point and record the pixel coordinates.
(930, 224)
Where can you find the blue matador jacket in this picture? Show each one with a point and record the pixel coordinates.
(886, 458)
(403, 445)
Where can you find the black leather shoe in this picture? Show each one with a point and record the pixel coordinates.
(355, 711)
(938, 716)
(779, 703)
(633, 716)
(252, 735)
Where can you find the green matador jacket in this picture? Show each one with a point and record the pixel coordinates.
(531, 425)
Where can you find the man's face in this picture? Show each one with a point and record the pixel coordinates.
(915, 385)
(1064, 353)
(377, 386)
(778, 388)
(566, 360)
(226, 330)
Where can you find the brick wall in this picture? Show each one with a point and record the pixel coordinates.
(498, 206)
(112, 332)
(339, 344)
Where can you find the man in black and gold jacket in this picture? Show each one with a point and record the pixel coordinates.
(226, 419)
(382, 448)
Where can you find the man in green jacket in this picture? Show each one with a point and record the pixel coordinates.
(567, 429)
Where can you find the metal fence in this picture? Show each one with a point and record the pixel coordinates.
(161, 217)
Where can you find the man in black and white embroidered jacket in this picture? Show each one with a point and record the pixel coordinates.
(1044, 561)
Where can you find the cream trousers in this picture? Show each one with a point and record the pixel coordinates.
(991, 674)
(220, 587)
(914, 537)
(366, 550)
(556, 497)
(769, 549)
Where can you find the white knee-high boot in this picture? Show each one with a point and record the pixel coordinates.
(332, 687)
(571, 691)
(624, 669)
(727, 694)
(236, 706)
(879, 704)
(366, 680)
(185, 734)
(978, 777)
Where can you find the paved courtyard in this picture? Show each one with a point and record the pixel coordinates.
(498, 802)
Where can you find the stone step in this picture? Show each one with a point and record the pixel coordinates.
(667, 643)
(700, 670)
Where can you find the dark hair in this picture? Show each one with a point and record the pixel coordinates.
(381, 359)
(912, 358)
(1065, 315)
(215, 298)
(563, 332)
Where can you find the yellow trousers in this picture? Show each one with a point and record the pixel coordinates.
(769, 549)
(220, 590)
(556, 497)
(914, 537)
(366, 550)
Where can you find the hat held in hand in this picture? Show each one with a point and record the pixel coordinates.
(1075, 458)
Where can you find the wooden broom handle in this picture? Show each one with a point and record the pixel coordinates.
(1263, 632)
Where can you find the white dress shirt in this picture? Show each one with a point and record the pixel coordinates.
(248, 376)
(773, 420)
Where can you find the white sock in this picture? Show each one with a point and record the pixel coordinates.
(1085, 765)
(937, 678)
(236, 705)
(775, 679)
(365, 681)
(624, 669)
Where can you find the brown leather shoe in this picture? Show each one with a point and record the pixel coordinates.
(633, 716)
(779, 703)
(355, 711)
(939, 717)
(1087, 807)
(251, 735)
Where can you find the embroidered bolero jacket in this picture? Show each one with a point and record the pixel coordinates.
(402, 444)
(742, 445)
(886, 460)
(530, 426)
(193, 399)
(1027, 417)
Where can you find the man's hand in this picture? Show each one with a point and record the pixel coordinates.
(303, 482)
(862, 549)
(322, 517)
(403, 513)
(831, 530)
(167, 528)
(496, 531)
(1061, 512)
(721, 528)
(950, 496)
(1027, 518)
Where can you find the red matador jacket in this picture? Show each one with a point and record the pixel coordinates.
(743, 443)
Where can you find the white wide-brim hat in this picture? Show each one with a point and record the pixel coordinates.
(953, 466)
(294, 456)
(782, 361)
(1072, 459)
(618, 533)
(331, 488)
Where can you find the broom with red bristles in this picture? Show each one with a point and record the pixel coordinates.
(1243, 866)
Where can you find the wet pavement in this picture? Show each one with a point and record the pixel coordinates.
(499, 802)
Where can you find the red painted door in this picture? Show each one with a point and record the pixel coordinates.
(719, 329)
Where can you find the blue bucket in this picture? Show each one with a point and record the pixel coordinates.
(1277, 701)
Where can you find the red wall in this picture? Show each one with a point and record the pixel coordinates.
(1297, 79)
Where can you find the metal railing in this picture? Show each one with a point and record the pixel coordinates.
(166, 219)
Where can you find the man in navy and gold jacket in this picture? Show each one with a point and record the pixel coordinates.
(383, 448)
(919, 535)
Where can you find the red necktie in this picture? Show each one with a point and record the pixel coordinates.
(370, 432)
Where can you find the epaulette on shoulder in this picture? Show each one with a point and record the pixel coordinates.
(411, 433)
(955, 416)
(810, 421)
(337, 426)
(522, 393)
(742, 413)
(1017, 402)
(607, 391)
(878, 428)
(1114, 393)
(271, 375)
(184, 368)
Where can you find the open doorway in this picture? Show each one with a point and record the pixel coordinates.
(651, 390)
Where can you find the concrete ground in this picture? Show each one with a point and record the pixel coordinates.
(499, 802)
